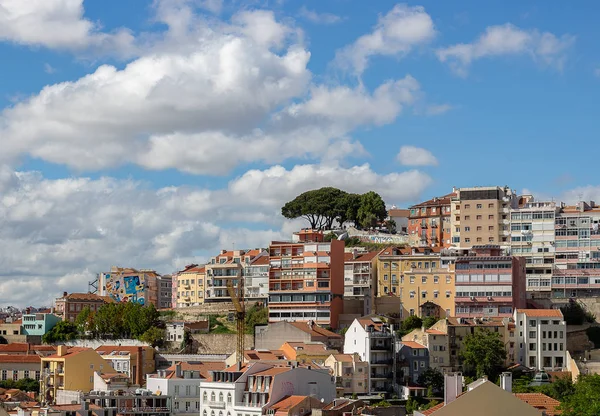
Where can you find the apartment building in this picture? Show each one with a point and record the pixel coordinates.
(532, 225)
(429, 222)
(126, 284)
(374, 341)
(182, 382)
(577, 258)
(256, 278)
(39, 323)
(481, 215)
(274, 335)
(70, 305)
(255, 387)
(306, 281)
(489, 284)
(70, 369)
(359, 275)
(438, 346)
(400, 217)
(305, 352)
(131, 403)
(226, 267)
(17, 367)
(350, 372)
(134, 362)
(541, 338)
(190, 286)
(165, 291)
(413, 361)
(420, 277)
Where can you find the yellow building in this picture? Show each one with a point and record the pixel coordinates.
(305, 352)
(190, 286)
(70, 369)
(420, 277)
(350, 372)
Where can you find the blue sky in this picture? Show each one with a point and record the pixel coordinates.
(156, 132)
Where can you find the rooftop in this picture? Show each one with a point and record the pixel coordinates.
(287, 403)
(413, 345)
(70, 353)
(541, 401)
(20, 359)
(541, 313)
(315, 330)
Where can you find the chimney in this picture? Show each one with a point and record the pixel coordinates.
(506, 381)
(139, 362)
(453, 384)
(65, 294)
(61, 350)
(178, 370)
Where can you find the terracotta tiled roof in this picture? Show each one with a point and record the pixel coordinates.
(272, 371)
(271, 355)
(14, 348)
(434, 202)
(20, 359)
(431, 410)
(85, 297)
(17, 322)
(398, 212)
(407, 251)
(362, 258)
(315, 330)
(70, 352)
(541, 401)
(260, 261)
(413, 345)
(541, 313)
(287, 403)
(309, 347)
(345, 358)
(348, 257)
(435, 332)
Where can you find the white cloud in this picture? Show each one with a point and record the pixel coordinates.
(416, 156)
(56, 24)
(437, 109)
(395, 34)
(505, 40)
(319, 18)
(49, 69)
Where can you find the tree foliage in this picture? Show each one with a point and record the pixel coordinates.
(85, 320)
(62, 331)
(154, 336)
(483, 354)
(429, 321)
(24, 384)
(256, 315)
(410, 323)
(325, 206)
(432, 377)
(575, 313)
(584, 400)
(559, 389)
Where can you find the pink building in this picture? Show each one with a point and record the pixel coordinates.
(489, 284)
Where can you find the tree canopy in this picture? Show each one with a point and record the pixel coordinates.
(575, 313)
(432, 377)
(325, 206)
(62, 331)
(584, 399)
(483, 354)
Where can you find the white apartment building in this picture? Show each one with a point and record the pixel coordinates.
(541, 338)
(532, 237)
(374, 341)
(251, 389)
(182, 382)
(360, 277)
(256, 278)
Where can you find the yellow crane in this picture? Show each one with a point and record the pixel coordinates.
(237, 298)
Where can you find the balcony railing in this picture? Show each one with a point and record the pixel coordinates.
(217, 405)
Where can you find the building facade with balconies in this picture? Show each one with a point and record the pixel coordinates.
(421, 277)
(577, 258)
(190, 286)
(306, 281)
(256, 278)
(227, 267)
(429, 222)
(489, 284)
(360, 270)
(374, 341)
(542, 338)
(350, 372)
(532, 225)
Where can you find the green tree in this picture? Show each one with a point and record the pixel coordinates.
(412, 322)
(411, 405)
(320, 207)
(62, 331)
(585, 398)
(372, 210)
(432, 377)
(348, 207)
(154, 336)
(593, 333)
(428, 321)
(429, 405)
(575, 313)
(390, 225)
(109, 320)
(483, 354)
(85, 320)
(256, 315)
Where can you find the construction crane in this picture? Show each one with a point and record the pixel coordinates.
(237, 298)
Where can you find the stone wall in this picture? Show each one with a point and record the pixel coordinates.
(95, 343)
(220, 343)
(214, 308)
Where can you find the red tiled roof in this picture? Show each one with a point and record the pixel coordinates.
(70, 352)
(86, 297)
(431, 410)
(20, 359)
(345, 358)
(287, 403)
(541, 401)
(254, 355)
(398, 212)
(541, 313)
(435, 332)
(15, 347)
(434, 202)
(272, 371)
(315, 330)
(413, 345)
(260, 261)
(348, 257)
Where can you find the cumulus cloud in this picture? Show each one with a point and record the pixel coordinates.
(416, 156)
(508, 39)
(396, 34)
(319, 18)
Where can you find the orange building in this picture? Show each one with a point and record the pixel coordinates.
(429, 222)
(306, 280)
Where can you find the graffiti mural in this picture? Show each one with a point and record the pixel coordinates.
(121, 288)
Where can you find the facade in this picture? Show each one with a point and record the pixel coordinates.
(489, 284)
(541, 338)
(302, 352)
(420, 277)
(255, 387)
(13, 331)
(17, 367)
(401, 218)
(359, 275)
(350, 372)
(190, 287)
(438, 346)
(165, 291)
(228, 266)
(274, 335)
(429, 223)
(70, 369)
(256, 278)
(134, 362)
(130, 285)
(532, 225)
(295, 406)
(577, 259)
(306, 281)
(39, 323)
(374, 342)
(182, 382)
(481, 215)
(70, 305)
(413, 360)
(141, 403)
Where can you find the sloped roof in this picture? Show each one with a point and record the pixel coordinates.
(315, 330)
(20, 359)
(542, 313)
(287, 403)
(541, 401)
(414, 345)
(20, 347)
(70, 353)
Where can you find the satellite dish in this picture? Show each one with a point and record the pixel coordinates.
(343, 236)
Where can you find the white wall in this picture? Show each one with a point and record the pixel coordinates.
(356, 341)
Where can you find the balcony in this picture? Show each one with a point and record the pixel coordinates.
(216, 405)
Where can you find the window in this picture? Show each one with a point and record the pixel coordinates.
(532, 322)
(412, 312)
(436, 279)
(412, 294)
(467, 217)
(479, 228)
(187, 390)
(448, 279)
(479, 217)
(424, 295)
(479, 239)
(467, 240)
(229, 398)
(531, 334)
(447, 294)
(491, 205)
(479, 206)
(422, 364)
(385, 277)
(532, 346)
(423, 279)
(416, 365)
(467, 229)
(436, 294)
(176, 390)
(412, 279)
(467, 206)
(91, 379)
(491, 217)
(204, 399)
(491, 239)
